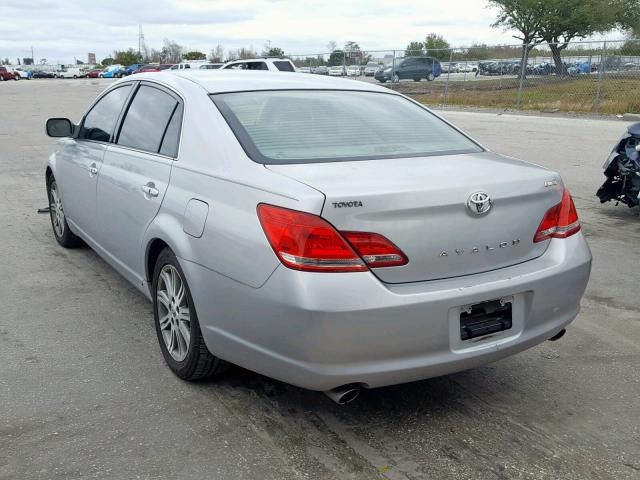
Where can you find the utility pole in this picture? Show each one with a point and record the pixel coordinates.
(142, 48)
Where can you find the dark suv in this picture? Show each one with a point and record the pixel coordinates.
(415, 68)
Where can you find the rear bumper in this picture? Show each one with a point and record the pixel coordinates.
(320, 331)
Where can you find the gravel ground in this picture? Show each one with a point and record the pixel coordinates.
(84, 392)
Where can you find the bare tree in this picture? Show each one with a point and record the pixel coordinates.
(331, 46)
(171, 51)
(216, 54)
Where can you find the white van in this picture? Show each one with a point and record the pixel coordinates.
(69, 73)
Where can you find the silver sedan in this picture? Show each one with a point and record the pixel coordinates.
(335, 235)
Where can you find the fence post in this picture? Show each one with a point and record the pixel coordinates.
(601, 68)
(523, 73)
(393, 69)
(344, 62)
(446, 86)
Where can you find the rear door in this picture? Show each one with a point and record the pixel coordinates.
(135, 173)
(80, 159)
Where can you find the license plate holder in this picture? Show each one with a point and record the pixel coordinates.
(486, 318)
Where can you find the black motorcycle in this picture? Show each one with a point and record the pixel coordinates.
(622, 170)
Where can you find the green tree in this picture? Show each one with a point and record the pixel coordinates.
(337, 57)
(558, 22)
(194, 55)
(125, 57)
(414, 49)
(107, 61)
(523, 16)
(275, 52)
(567, 20)
(436, 46)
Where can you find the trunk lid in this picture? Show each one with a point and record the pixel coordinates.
(420, 204)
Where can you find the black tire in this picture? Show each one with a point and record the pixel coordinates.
(431, 77)
(66, 238)
(198, 363)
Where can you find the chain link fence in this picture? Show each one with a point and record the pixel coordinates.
(601, 77)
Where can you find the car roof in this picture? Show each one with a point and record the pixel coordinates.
(223, 81)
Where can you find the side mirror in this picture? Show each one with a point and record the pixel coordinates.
(59, 127)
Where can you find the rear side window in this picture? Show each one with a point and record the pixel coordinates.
(307, 126)
(147, 119)
(171, 138)
(101, 120)
(284, 66)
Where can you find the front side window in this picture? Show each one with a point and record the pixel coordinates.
(307, 126)
(147, 118)
(101, 120)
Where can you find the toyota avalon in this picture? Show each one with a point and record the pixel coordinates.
(334, 235)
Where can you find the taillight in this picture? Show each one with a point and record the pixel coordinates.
(375, 249)
(560, 221)
(304, 241)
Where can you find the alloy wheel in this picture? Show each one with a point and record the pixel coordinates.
(173, 312)
(56, 211)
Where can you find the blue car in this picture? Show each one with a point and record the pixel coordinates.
(113, 71)
(132, 68)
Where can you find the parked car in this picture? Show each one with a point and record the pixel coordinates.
(7, 73)
(415, 68)
(337, 71)
(95, 73)
(112, 71)
(132, 68)
(41, 74)
(354, 71)
(188, 65)
(24, 74)
(544, 68)
(321, 70)
(449, 67)
(210, 66)
(370, 69)
(280, 262)
(154, 68)
(467, 67)
(267, 63)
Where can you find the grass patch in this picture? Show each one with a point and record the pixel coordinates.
(618, 94)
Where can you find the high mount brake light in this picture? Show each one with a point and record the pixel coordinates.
(304, 241)
(560, 221)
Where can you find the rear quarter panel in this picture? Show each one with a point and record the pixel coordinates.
(213, 168)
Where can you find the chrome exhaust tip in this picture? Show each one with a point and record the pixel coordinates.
(343, 395)
(558, 335)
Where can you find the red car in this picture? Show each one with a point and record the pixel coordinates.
(6, 74)
(93, 73)
(153, 68)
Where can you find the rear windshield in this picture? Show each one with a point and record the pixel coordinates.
(307, 126)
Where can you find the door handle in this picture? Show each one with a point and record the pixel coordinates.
(93, 170)
(150, 189)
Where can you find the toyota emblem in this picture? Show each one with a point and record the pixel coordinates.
(479, 203)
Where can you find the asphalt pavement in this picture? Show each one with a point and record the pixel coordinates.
(84, 392)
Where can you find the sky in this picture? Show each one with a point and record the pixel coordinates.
(61, 30)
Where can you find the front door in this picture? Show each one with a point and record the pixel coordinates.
(135, 175)
(80, 159)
